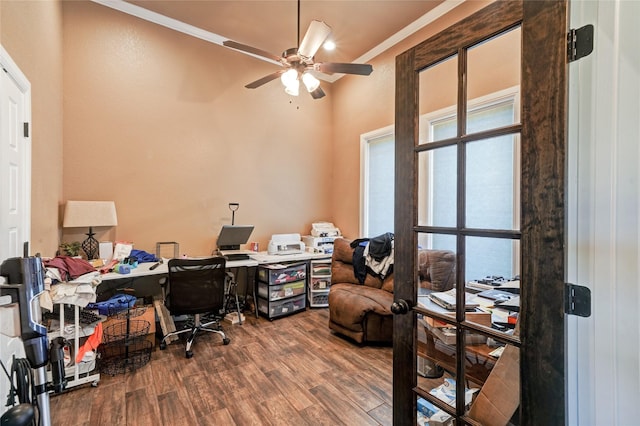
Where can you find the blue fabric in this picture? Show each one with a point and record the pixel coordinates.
(143, 256)
(117, 303)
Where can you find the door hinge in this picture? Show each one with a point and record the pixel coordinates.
(579, 42)
(577, 300)
(25, 130)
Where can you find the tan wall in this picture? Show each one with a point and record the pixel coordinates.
(31, 32)
(362, 105)
(161, 123)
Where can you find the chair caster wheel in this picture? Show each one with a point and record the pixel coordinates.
(226, 341)
(163, 346)
(188, 354)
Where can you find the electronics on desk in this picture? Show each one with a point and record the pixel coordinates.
(512, 304)
(496, 295)
(318, 244)
(447, 300)
(492, 282)
(230, 239)
(324, 229)
(285, 244)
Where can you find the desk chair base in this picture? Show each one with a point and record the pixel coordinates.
(197, 326)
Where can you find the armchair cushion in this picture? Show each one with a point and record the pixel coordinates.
(362, 311)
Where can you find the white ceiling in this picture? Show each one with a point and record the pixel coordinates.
(360, 28)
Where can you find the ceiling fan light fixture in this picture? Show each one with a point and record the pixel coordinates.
(329, 45)
(293, 89)
(291, 83)
(310, 82)
(289, 77)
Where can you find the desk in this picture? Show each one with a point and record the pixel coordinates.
(144, 269)
(148, 282)
(478, 361)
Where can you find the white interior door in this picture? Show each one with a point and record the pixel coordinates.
(603, 366)
(15, 187)
(15, 158)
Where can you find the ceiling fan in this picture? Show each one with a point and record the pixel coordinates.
(298, 62)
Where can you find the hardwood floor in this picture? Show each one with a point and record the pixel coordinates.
(290, 371)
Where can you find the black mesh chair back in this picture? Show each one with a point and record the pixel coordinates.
(196, 286)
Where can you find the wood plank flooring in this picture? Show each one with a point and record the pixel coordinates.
(290, 371)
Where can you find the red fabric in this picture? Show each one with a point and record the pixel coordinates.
(91, 344)
(69, 267)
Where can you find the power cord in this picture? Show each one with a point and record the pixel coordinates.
(25, 387)
(11, 396)
(21, 370)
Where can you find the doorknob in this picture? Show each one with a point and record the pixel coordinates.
(400, 307)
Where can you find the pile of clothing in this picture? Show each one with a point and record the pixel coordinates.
(373, 255)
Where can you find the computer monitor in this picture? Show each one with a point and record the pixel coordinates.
(231, 236)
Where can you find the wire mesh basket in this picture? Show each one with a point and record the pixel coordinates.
(123, 356)
(125, 330)
(125, 343)
(126, 313)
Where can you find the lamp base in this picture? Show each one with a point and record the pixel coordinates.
(90, 245)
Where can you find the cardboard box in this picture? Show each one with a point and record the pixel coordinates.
(233, 318)
(482, 318)
(500, 395)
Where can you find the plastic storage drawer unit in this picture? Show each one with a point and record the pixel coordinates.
(279, 274)
(281, 307)
(280, 291)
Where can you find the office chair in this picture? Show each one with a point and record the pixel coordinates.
(195, 287)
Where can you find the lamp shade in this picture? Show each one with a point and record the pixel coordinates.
(89, 213)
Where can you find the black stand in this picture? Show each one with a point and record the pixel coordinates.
(90, 245)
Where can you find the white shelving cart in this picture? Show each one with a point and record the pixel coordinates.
(319, 282)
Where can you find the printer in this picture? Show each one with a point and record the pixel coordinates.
(322, 236)
(324, 229)
(285, 244)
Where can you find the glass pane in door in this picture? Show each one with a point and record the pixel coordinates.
(438, 101)
(492, 183)
(492, 279)
(491, 73)
(437, 187)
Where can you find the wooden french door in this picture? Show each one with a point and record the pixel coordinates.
(480, 171)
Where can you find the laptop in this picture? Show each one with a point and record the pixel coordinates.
(447, 300)
(512, 304)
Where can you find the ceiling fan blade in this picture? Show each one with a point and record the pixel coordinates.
(265, 79)
(343, 68)
(316, 34)
(318, 93)
(255, 51)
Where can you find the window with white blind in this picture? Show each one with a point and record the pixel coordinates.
(492, 184)
(490, 164)
(377, 182)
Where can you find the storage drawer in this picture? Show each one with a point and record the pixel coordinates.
(280, 291)
(321, 268)
(320, 283)
(281, 307)
(319, 300)
(278, 274)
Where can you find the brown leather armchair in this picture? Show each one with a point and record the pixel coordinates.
(362, 311)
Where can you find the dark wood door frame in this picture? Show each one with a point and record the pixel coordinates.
(543, 141)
